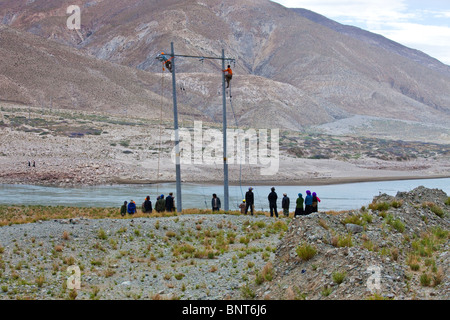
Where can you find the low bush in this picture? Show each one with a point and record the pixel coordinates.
(306, 252)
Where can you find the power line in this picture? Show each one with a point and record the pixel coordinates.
(163, 59)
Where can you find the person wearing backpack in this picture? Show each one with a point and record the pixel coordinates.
(147, 205)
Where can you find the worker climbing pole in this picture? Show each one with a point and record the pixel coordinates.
(228, 75)
(167, 62)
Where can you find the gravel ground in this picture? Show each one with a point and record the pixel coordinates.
(137, 258)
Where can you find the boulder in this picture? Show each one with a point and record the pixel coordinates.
(354, 228)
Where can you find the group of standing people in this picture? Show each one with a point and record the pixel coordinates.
(304, 206)
(311, 202)
(162, 204)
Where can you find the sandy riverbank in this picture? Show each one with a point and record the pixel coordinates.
(129, 153)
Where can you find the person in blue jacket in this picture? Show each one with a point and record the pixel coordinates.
(308, 202)
(132, 207)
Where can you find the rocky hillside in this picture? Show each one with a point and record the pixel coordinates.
(290, 71)
(396, 248)
(398, 244)
(40, 72)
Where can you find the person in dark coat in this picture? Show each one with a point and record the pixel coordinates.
(299, 207)
(215, 202)
(169, 202)
(249, 200)
(123, 209)
(315, 202)
(148, 205)
(285, 204)
(273, 202)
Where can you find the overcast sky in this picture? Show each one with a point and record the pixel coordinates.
(418, 24)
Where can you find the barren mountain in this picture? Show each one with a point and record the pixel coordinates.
(376, 40)
(43, 73)
(36, 71)
(290, 71)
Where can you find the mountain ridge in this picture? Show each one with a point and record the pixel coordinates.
(376, 40)
(338, 76)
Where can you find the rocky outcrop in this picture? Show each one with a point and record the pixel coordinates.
(397, 248)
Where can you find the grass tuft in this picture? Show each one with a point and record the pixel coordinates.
(306, 251)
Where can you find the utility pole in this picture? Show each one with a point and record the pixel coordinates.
(225, 160)
(177, 135)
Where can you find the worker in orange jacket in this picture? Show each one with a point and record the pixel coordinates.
(228, 75)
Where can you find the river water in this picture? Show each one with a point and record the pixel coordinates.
(333, 197)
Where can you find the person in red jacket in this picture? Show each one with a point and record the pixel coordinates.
(228, 75)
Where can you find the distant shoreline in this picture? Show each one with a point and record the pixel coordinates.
(302, 182)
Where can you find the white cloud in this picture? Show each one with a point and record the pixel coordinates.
(434, 40)
(442, 14)
(360, 10)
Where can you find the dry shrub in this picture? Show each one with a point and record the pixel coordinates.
(323, 224)
(394, 254)
(334, 241)
(438, 277)
(268, 272)
(290, 294)
(213, 269)
(65, 235)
